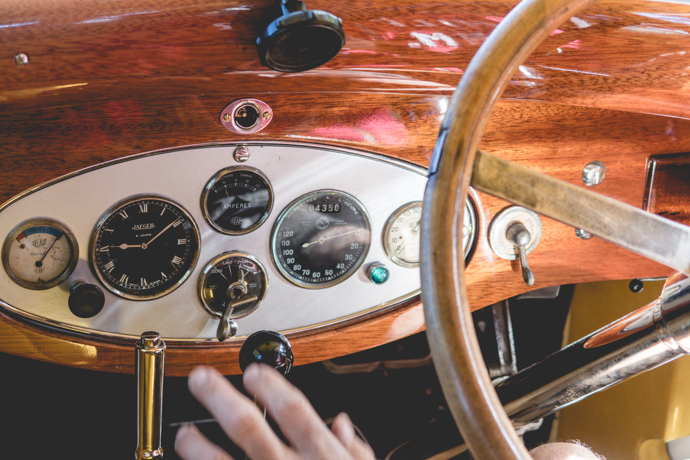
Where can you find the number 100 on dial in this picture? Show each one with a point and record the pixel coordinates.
(321, 239)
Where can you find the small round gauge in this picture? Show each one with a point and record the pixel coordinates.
(401, 234)
(233, 280)
(237, 200)
(145, 247)
(321, 239)
(40, 254)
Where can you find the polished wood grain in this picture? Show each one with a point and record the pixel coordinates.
(19, 338)
(668, 186)
(109, 79)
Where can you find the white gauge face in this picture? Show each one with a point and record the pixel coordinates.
(401, 235)
(40, 254)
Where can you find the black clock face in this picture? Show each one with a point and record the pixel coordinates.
(145, 247)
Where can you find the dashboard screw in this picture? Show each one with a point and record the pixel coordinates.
(21, 59)
(581, 233)
(241, 154)
(267, 115)
(594, 173)
(227, 117)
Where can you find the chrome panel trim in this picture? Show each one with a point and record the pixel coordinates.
(288, 162)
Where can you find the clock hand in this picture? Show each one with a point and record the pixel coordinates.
(125, 246)
(159, 234)
(322, 239)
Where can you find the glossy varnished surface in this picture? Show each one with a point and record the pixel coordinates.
(112, 79)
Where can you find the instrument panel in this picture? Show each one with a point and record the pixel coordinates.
(294, 238)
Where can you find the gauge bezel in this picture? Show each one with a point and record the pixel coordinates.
(219, 176)
(296, 202)
(207, 270)
(386, 230)
(469, 211)
(155, 294)
(41, 222)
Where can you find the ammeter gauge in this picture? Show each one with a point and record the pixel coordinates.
(40, 254)
(321, 239)
(237, 200)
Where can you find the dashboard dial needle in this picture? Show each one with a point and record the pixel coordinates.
(40, 262)
(415, 230)
(322, 239)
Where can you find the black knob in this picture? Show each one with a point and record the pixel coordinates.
(85, 300)
(300, 39)
(267, 347)
(636, 285)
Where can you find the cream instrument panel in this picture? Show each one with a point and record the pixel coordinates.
(150, 237)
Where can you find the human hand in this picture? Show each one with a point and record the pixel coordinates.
(244, 423)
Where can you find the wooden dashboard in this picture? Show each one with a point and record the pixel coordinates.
(106, 80)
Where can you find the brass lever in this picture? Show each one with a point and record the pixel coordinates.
(149, 362)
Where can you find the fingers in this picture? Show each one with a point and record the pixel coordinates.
(297, 419)
(190, 444)
(344, 430)
(241, 420)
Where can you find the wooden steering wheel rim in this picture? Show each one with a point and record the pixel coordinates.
(450, 330)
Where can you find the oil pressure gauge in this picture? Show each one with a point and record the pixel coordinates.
(401, 234)
(40, 254)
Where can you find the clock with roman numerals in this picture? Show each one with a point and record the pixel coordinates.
(145, 247)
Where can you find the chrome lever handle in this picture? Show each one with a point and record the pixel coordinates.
(520, 237)
(150, 369)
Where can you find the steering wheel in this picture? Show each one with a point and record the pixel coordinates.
(465, 381)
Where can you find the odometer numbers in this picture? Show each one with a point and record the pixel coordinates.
(145, 247)
(321, 239)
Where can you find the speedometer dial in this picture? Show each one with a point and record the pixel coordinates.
(321, 239)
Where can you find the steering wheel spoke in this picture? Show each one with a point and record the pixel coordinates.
(644, 233)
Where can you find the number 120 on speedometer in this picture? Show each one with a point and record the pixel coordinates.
(321, 239)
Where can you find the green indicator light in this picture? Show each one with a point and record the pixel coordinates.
(378, 273)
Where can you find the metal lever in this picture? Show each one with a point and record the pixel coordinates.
(227, 327)
(149, 362)
(520, 237)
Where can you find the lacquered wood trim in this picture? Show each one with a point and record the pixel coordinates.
(22, 339)
(668, 186)
(111, 79)
(623, 55)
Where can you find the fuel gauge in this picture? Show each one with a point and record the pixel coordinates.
(40, 254)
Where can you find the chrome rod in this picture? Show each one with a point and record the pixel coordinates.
(150, 361)
(647, 338)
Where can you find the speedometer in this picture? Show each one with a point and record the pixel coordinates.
(321, 239)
